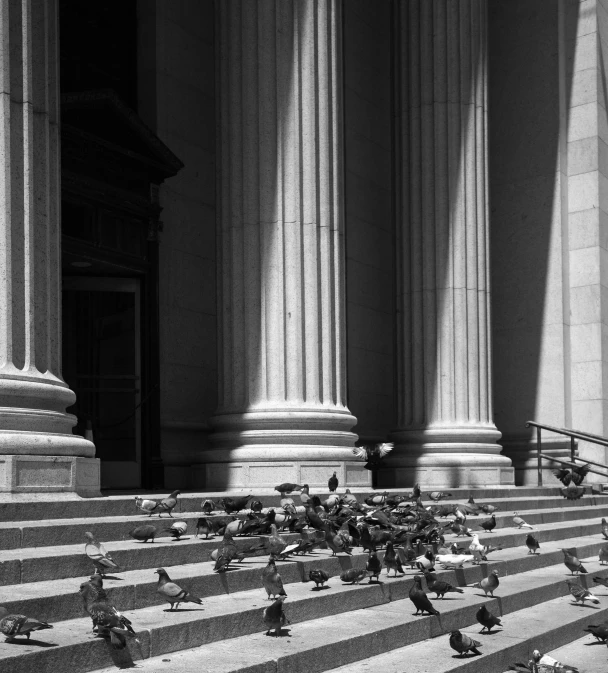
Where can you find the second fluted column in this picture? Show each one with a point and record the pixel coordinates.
(282, 413)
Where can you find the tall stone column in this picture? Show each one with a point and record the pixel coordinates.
(37, 450)
(282, 412)
(446, 435)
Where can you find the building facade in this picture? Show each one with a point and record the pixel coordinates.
(240, 237)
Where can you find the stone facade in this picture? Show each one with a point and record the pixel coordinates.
(390, 226)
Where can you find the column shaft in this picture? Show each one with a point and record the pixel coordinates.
(282, 412)
(37, 450)
(446, 434)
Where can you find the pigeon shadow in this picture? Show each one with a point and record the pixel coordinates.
(595, 642)
(491, 633)
(465, 655)
(484, 596)
(31, 641)
(120, 658)
(184, 610)
(113, 577)
(320, 588)
(283, 633)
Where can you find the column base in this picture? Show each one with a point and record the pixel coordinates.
(49, 474)
(522, 452)
(446, 457)
(251, 475)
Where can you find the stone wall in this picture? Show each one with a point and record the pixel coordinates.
(370, 307)
(176, 98)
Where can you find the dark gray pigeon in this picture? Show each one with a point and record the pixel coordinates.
(420, 599)
(463, 644)
(487, 619)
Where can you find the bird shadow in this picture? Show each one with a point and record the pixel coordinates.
(320, 588)
(491, 633)
(283, 633)
(31, 641)
(113, 577)
(485, 596)
(595, 642)
(184, 610)
(464, 655)
(584, 605)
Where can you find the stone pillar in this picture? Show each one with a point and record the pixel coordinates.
(446, 434)
(282, 412)
(37, 450)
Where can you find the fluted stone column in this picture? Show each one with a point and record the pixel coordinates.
(282, 412)
(37, 450)
(446, 434)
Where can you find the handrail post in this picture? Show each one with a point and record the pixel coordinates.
(572, 450)
(540, 458)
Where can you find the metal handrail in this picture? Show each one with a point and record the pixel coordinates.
(574, 435)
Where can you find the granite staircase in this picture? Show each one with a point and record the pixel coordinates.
(354, 628)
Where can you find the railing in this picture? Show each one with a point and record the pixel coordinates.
(574, 435)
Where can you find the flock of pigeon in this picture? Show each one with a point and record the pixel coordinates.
(410, 532)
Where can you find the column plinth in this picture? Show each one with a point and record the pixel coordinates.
(38, 452)
(282, 413)
(445, 436)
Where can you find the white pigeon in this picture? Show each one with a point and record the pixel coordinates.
(476, 548)
(98, 554)
(520, 523)
(453, 560)
(145, 505)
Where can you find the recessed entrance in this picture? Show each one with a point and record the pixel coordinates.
(102, 364)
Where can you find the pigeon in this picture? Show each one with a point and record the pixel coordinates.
(546, 663)
(532, 544)
(107, 620)
(287, 488)
(420, 599)
(487, 619)
(272, 580)
(453, 560)
(489, 584)
(460, 529)
(166, 504)
(440, 587)
(207, 506)
(604, 554)
(349, 499)
(600, 631)
(178, 529)
(318, 576)
(477, 549)
(572, 563)
(605, 528)
(274, 617)
(206, 527)
(171, 592)
(519, 522)
(98, 554)
(276, 544)
(488, 525)
(373, 566)
(143, 533)
(392, 560)
(376, 499)
(463, 644)
(337, 543)
(231, 505)
(572, 491)
(542, 664)
(579, 593)
(436, 496)
(353, 575)
(332, 483)
(426, 561)
(487, 509)
(13, 625)
(572, 475)
(144, 505)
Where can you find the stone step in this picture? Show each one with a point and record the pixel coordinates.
(386, 637)
(59, 532)
(36, 507)
(541, 627)
(134, 589)
(31, 564)
(587, 653)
